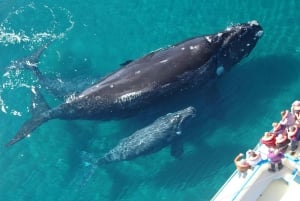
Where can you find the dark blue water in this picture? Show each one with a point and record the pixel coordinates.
(91, 39)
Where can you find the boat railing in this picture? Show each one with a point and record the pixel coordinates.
(224, 185)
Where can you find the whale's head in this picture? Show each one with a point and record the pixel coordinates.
(237, 42)
(182, 116)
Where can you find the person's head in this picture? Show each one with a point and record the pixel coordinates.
(253, 154)
(276, 126)
(296, 103)
(292, 131)
(243, 161)
(280, 138)
(293, 128)
(296, 108)
(268, 134)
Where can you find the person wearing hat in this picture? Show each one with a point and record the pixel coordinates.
(278, 128)
(295, 109)
(295, 106)
(242, 165)
(282, 142)
(287, 118)
(269, 139)
(275, 156)
(297, 117)
(294, 136)
(253, 158)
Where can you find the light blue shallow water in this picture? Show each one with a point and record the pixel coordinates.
(92, 39)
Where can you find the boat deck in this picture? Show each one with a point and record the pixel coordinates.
(262, 185)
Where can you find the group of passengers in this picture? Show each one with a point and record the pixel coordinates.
(284, 133)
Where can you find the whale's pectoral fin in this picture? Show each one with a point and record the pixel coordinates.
(177, 148)
(40, 114)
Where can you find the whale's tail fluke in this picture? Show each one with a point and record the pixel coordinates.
(31, 62)
(40, 114)
(102, 161)
(90, 164)
(35, 57)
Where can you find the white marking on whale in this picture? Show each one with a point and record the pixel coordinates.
(128, 97)
(259, 34)
(164, 61)
(220, 70)
(253, 22)
(208, 38)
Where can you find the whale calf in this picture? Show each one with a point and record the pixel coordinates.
(162, 73)
(164, 131)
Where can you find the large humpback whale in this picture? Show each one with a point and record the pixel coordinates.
(161, 73)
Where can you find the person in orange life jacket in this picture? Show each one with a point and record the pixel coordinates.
(294, 136)
(241, 165)
(275, 157)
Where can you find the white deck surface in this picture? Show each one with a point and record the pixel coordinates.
(274, 191)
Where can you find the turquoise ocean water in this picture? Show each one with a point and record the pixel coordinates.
(91, 39)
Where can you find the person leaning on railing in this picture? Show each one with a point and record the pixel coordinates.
(294, 136)
(287, 118)
(253, 158)
(282, 142)
(241, 165)
(295, 109)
